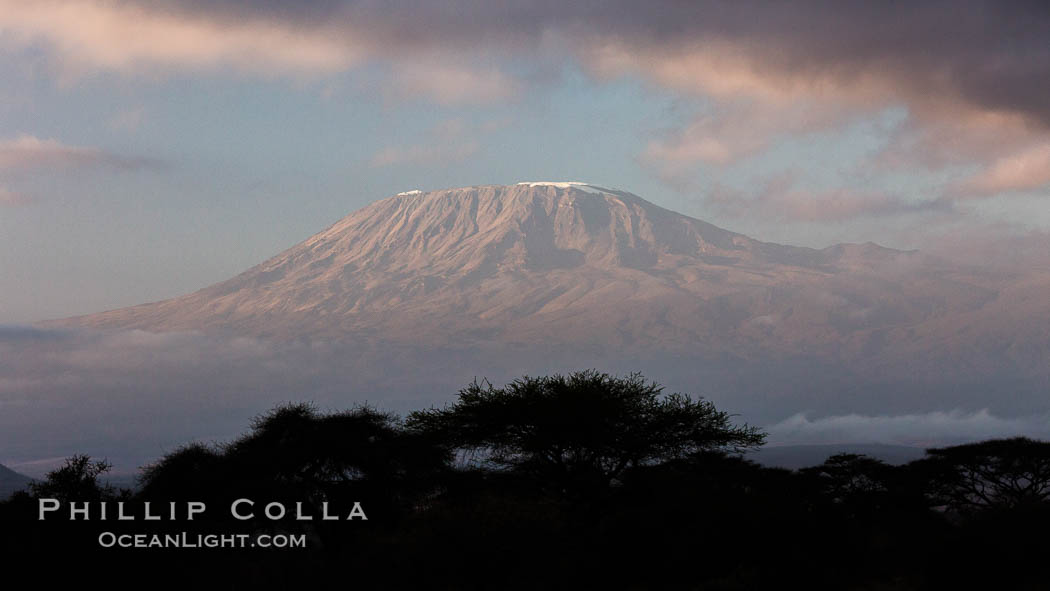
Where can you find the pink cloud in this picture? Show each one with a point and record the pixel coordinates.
(26, 153)
(125, 37)
(8, 197)
(1022, 170)
(972, 76)
(758, 93)
(85, 35)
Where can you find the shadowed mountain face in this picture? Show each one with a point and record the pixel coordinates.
(11, 482)
(575, 264)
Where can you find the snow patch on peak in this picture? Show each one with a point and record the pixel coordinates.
(587, 187)
(412, 192)
(559, 184)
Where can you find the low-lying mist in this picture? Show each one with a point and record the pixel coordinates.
(131, 396)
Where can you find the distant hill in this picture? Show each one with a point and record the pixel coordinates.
(804, 456)
(11, 481)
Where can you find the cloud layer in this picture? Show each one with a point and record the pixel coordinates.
(127, 36)
(132, 395)
(973, 75)
(779, 199)
(27, 153)
(26, 156)
(922, 430)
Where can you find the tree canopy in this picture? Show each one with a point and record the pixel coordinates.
(296, 452)
(992, 474)
(565, 476)
(75, 480)
(580, 430)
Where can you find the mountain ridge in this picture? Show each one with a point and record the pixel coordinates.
(567, 262)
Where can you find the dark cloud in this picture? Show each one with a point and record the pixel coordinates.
(992, 55)
(973, 75)
(986, 54)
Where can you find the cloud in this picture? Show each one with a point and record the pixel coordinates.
(926, 429)
(1001, 246)
(447, 142)
(263, 40)
(132, 37)
(970, 88)
(423, 154)
(450, 84)
(804, 65)
(1019, 171)
(129, 120)
(121, 393)
(8, 197)
(750, 106)
(779, 199)
(971, 76)
(716, 138)
(131, 395)
(991, 57)
(28, 153)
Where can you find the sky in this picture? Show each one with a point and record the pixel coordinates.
(148, 148)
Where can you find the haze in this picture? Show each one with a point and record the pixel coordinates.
(150, 150)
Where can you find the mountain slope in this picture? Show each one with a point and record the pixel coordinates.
(579, 264)
(11, 482)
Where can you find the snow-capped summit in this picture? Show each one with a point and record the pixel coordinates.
(587, 187)
(535, 263)
(559, 184)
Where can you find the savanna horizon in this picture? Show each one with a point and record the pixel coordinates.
(621, 463)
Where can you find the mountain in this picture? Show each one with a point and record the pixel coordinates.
(11, 482)
(407, 300)
(803, 456)
(565, 263)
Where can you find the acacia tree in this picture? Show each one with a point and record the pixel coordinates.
(296, 453)
(75, 480)
(843, 477)
(855, 485)
(581, 431)
(992, 474)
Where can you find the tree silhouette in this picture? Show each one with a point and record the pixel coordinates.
(194, 471)
(298, 454)
(993, 474)
(579, 433)
(853, 481)
(76, 480)
(578, 472)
